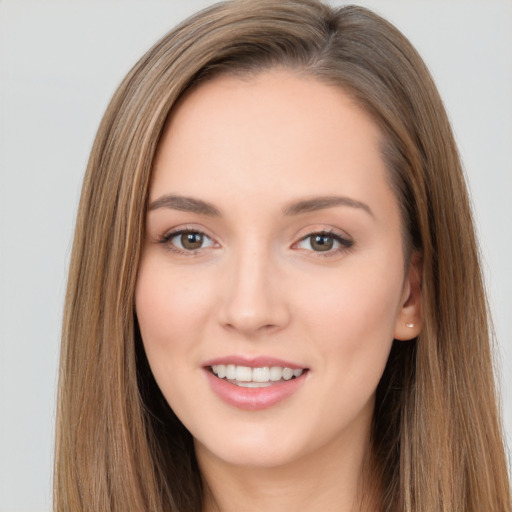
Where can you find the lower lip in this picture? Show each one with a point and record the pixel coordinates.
(254, 399)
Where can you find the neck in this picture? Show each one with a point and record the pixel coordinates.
(331, 479)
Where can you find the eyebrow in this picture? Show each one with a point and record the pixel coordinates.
(185, 204)
(323, 202)
(190, 204)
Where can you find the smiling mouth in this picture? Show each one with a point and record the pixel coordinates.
(259, 377)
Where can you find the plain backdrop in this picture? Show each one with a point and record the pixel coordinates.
(60, 62)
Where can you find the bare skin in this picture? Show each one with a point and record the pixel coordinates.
(315, 482)
(272, 233)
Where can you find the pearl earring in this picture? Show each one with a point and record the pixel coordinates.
(410, 324)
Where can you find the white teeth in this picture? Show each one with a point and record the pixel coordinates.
(230, 371)
(243, 374)
(261, 374)
(287, 373)
(221, 371)
(276, 372)
(254, 384)
(255, 377)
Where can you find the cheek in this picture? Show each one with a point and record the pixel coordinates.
(350, 319)
(356, 300)
(172, 310)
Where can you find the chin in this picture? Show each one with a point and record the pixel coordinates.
(276, 446)
(248, 456)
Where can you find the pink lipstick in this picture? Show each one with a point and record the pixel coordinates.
(254, 383)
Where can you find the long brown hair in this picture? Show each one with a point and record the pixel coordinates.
(436, 441)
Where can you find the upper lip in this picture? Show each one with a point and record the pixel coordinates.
(253, 362)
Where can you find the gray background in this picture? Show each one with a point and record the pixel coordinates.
(60, 62)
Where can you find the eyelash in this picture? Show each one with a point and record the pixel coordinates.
(166, 240)
(344, 243)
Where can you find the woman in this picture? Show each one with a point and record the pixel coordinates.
(275, 298)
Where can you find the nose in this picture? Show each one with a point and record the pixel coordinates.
(254, 299)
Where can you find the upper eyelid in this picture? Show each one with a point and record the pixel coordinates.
(335, 233)
(344, 241)
(325, 232)
(173, 234)
(185, 229)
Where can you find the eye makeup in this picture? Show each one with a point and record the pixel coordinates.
(192, 241)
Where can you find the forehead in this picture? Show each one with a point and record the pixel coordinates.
(275, 133)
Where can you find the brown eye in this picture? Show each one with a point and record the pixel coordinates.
(322, 242)
(188, 241)
(191, 241)
(326, 242)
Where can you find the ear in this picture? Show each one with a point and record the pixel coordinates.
(409, 319)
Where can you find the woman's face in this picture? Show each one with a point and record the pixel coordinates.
(273, 258)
